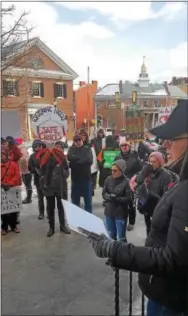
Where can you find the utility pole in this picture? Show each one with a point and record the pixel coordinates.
(88, 100)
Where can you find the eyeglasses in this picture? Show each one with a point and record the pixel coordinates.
(124, 145)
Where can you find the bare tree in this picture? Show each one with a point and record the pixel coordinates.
(13, 33)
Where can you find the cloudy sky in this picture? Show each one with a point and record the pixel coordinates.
(112, 37)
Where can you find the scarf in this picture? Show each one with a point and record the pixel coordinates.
(46, 153)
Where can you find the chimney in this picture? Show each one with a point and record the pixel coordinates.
(121, 87)
(94, 82)
(82, 83)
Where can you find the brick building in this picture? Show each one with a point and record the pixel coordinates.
(84, 104)
(150, 97)
(180, 82)
(33, 77)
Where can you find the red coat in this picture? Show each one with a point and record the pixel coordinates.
(12, 177)
(14, 153)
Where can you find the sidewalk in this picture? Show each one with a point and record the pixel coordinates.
(59, 275)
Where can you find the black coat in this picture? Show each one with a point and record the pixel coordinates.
(96, 142)
(116, 206)
(34, 168)
(80, 160)
(53, 178)
(158, 184)
(163, 263)
(133, 163)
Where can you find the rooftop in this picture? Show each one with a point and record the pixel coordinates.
(14, 50)
(153, 89)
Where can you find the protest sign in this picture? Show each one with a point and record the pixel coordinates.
(164, 113)
(49, 124)
(109, 156)
(77, 217)
(135, 125)
(11, 200)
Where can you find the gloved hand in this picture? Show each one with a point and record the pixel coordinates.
(102, 245)
(5, 186)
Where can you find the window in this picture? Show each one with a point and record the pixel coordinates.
(60, 90)
(155, 103)
(37, 89)
(145, 103)
(10, 87)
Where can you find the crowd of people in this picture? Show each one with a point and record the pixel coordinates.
(152, 182)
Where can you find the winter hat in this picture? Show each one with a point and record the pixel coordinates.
(10, 140)
(121, 164)
(123, 141)
(159, 156)
(37, 142)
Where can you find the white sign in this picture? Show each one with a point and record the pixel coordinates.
(164, 113)
(94, 166)
(11, 200)
(77, 217)
(49, 124)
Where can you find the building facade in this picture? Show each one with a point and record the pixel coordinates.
(84, 104)
(35, 77)
(180, 82)
(150, 97)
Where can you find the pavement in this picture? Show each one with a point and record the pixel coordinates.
(61, 275)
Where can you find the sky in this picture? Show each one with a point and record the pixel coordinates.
(112, 37)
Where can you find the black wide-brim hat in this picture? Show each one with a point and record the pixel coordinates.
(176, 125)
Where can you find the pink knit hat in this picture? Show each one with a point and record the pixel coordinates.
(158, 156)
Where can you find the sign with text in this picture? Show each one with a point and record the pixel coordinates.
(135, 125)
(109, 156)
(164, 113)
(11, 200)
(49, 124)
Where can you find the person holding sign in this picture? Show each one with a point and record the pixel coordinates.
(10, 177)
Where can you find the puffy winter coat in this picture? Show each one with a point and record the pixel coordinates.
(163, 263)
(158, 184)
(53, 177)
(117, 195)
(10, 173)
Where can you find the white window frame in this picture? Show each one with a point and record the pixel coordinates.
(33, 83)
(12, 81)
(61, 85)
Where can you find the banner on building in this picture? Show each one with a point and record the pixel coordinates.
(135, 125)
(49, 124)
(164, 113)
(11, 200)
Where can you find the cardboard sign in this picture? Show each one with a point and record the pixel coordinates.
(164, 113)
(49, 124)
(109, 156)
(11, 200)
(135, 125)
